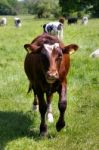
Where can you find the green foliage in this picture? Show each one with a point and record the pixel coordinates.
(89, 6)
(47, 8)
(12, 7)
(5, 7)
(43, 8)
(19, 125)
(68, 6)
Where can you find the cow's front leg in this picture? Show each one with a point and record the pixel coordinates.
(42, 109)
(49, 108)
(62, 107)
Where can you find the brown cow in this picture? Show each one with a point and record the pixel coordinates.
(46, 66)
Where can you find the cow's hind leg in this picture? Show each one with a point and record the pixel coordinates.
(35, 103)
(62, 107)
(42, 109)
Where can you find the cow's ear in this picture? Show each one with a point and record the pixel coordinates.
(31, 48)
(70, 48)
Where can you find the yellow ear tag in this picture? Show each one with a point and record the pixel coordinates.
(72, 51)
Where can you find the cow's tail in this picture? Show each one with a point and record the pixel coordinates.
(44, 28)
(30, 88)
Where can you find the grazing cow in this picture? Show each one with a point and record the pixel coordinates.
(95, 53)
(54, 28)
(17, 22)
(3, 21)
(72, 20)
(85, 20)
(46, 66)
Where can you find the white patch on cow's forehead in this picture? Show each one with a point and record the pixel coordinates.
(56, 45)
(49, 47)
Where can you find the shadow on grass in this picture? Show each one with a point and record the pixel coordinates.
(14, 125)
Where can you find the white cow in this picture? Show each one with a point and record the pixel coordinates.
(3, 21)
(17, 22)
(95, 53)
(85, 20)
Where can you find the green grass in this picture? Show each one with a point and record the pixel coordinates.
(19, 125)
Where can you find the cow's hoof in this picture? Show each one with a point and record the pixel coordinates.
(43, 134)
(35, 107)
(60, 125)
(43, 130)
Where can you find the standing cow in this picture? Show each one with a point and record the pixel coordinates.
(55, 28)
(3, 21)
(72, 20)
(46, 65)
(85, 20)
(17, 22)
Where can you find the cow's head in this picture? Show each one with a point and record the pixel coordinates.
(55, 53)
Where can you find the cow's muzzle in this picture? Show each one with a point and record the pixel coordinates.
(51, 77)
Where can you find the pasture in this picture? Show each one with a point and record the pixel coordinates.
(19, 125)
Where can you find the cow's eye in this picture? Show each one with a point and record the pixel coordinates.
(58, 58)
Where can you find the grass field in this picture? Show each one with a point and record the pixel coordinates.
(19, 125)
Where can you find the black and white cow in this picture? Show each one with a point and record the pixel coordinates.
(17, 22)
(3, 21)
(54, 28)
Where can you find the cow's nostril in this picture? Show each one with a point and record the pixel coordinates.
(48, 74)
(56, 74)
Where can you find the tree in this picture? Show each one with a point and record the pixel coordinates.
(5, 8)
(92, 6)
(43, 8)
(11, 7)
(69, 6)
